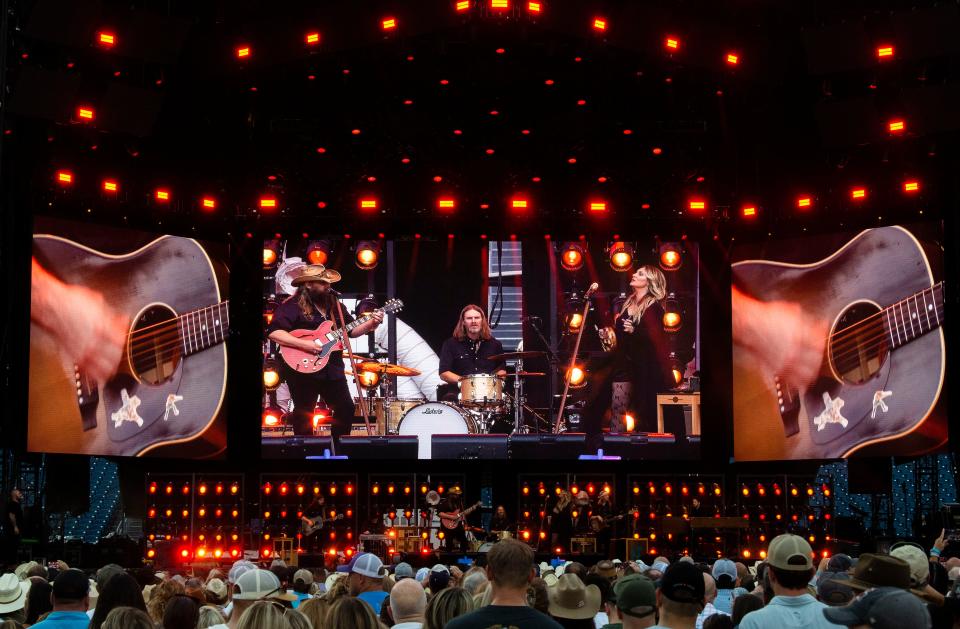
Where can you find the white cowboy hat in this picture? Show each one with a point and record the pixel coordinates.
(13, 593)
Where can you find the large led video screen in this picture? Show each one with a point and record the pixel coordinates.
(128, 352)
(838, 345)
(467, 347)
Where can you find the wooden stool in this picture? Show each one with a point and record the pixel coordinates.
(283, 549)
(681, 399)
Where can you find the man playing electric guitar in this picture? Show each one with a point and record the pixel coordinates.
(311, 305)
(312, 516)
(452, 522)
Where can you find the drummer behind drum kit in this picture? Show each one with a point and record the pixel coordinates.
(482, 402)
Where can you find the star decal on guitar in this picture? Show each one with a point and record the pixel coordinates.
(878, 402)
(128, 411)
(831, 413)
(172, 400)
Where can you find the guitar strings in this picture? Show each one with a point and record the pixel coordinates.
(901, 324)
(889, 308)
(880, 334)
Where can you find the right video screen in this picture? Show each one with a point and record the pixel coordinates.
(838, 345)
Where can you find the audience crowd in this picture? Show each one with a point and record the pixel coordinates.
(907, 588)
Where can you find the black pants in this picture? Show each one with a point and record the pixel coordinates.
(305, 389)
(455, 540)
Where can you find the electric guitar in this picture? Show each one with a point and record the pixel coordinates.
(883, 366)
(171, 381)
(309, 527)
(330, 340)
(452, 519)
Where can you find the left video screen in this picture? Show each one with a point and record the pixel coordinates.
(128, 353)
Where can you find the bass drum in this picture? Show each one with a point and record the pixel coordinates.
(435, 418)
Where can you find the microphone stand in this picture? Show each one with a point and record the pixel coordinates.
(573, 360)
(345, 341)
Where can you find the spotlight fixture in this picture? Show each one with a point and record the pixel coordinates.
(571, 256)
(320, 415)
(621, 256)
(573, 314)
(318, 251)
(577, 377)
(672, 319)
(271, 253)
(64, 178)
(272, 416)
(271, 374)
(676, 368)
(670, 257)
(368, 379)
(368, 254)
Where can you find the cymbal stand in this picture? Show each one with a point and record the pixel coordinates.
(518, 400)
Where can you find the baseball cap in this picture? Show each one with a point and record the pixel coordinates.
(348, 567)
(832, 590)
(217, 587)
(790, 552)
(254, 585)
(919, 564)
(368, 565)
(403, 571)
(439, 577)
(71, 585)
(683, 582)
(724, 567)
(422, 573)
(661, 566)
(303, 575)
(839, 563)
(238, 569)
(636, 595)
(883, 608)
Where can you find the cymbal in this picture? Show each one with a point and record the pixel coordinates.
(514, 355)
(388, 368)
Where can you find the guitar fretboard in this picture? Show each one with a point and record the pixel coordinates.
(914, 316)
(203, 328)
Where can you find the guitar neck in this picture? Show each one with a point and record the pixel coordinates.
(204, 327)
(914, 316)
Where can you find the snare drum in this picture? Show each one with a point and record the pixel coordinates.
(502, 535)
(434, 418)
(481, 390)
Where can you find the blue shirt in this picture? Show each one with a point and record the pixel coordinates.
(787, 612)
(300, 598)
(724, 602)
(375, 599)
(65, 620)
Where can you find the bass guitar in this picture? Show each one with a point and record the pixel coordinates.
(883, 358)
(311, 526)
(452, 519)
(328, 340)
(172, 377)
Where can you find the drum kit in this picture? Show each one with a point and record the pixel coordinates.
(482, 403)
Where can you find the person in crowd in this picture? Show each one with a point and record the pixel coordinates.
(302, 585)
(195, 589)
(13, 598)
(120, 590)
(181, 612)
(572, 603)
(100, 581)
(251, 587)
(790, 569)
(38, 600)
(315, 609)
(439, 578)
(445, 605)
(348, 612)
(709, 596)
(603, 583)
(832, 591)
(70, 597)
(209, 616)
(296, 620)
(475, 581)
(215, 593)
(718, 621)
(238, 569)
(510, 569)
(634, 602)
(366, 581)
(538, 596)
(128, 618)
(883, 608)
(403, 570)
(727, 577)
(159, 597)
(264, 615)
(408, 604)
(743, 605)
(680, 598)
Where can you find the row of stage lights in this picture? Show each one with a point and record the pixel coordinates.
(858, 194)
(202, 489)
(284, 489)
(760, 490)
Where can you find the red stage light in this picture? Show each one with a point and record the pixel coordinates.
(500, 4)
(368, 254)
(202, 489)
(85, 113)
(572, 257)
(446, 204)
(519, 203)
(804, 202)
(368, 204)
(599, 23)
(911, 186)
(598, 206)
(733, 59)
(64, 177)
(885, 52)
(697, 205)
(463, 5)
(657, 150)
(313, 38)
(534, 7)
(271, 418)
(389, 23)
(162, 195)
(109, 185)
(208, 203)
(234, 488)
(243, 52)
(184, 553)
(268, 203)
(858, 193)
(672, 43)
(896, 126)
(748, 211)
(106, 39)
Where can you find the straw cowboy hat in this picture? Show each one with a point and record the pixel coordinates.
(13, 593)
(570, 598)
(313, 273)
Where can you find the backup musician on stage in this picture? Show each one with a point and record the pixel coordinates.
(468, 350)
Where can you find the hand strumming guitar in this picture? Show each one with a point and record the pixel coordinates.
(781, 338)
(83, 325)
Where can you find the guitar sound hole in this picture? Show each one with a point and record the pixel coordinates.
(155, 345)
(858, 346)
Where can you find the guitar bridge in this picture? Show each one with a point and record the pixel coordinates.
(788, 402)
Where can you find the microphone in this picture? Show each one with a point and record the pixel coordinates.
(590, 291)
(333, 292)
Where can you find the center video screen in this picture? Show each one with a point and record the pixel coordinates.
(128, 352)
(464, 348)
(838, 345)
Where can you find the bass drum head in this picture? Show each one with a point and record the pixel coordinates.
(434, 418)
